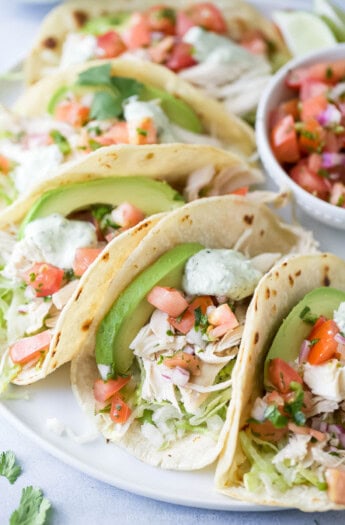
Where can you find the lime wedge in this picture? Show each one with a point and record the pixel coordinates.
(333, 16)
(303, 32)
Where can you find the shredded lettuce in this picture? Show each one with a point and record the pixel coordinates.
(7, 373)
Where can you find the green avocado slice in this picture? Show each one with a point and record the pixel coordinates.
(288, 340)
(131, 311)
(149, 195)
(102, 24)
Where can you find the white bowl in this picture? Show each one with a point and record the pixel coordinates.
(276, 92)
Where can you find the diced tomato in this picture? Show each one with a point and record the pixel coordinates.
(333, 142)
(103, 390)
(72, 112)
(312, 88)
(336, 485)
(268, 431)
(45, 278)
(127, 215)
(28, 348)
(202, 302)
(168, 300)
(326, 346)
(281, 375)
(83, 258)
(184, 324)
(241, 191)
(254, 42)
(119, 410)
(181, 57)
(314, 162)
(183, 360)
(295, 77)
(290, 107)
(142, 133)
(137, 34)
(162, 18)
(183, 23)
(313, 107)
(311, 137)
(316, 327)
(4, 165)
(274, 398)
(208, 16)
(320, 436)
(330, 72)
(309, 180)
(160, 51)
(117, 134)
(223, 315)
(219, 331)
(110, 44)
(284, 140)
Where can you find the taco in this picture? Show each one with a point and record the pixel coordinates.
(50, 239)
(286, 445)
(227, 48)
(70, 115)
(155, 369)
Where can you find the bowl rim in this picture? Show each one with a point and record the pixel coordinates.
(271, 165)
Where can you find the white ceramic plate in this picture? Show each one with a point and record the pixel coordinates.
(53, 398)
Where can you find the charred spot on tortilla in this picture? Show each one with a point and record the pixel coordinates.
(143, 226)
(186, 218)
(80, 18)
(326, 279)
(262, 233)
(256, 337)
(78, 294)
(291, 280)
(105, 256)
(86, 325)
(248, 219)
(57, 340)
(256, 304)
(150, 156)
(276, 275)
(50, 42)
(274, 309)
(284, 264)
(298, 274)
(274, 293)
(267, 293)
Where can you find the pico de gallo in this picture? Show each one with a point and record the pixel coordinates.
(189, 41)
(41, 272)
(295, 436)
(307, 131)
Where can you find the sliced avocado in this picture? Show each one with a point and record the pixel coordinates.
(176, 109)
(102, 24)
(131, 311)
(61, 93)
(149, 195)
(288, 340)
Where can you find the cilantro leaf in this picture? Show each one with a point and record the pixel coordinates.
(61, 141)
(294, 407)
(201, 320)
(8, 467)
(272, 414)
(126, 87)
(33, 508)
(307, 316)
(95, 76)
(105, 105)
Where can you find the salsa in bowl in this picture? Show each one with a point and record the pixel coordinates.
(301, 132)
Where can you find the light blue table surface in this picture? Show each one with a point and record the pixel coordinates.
(76, 498)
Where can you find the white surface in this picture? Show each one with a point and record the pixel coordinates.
(276, 93)
(78, 499)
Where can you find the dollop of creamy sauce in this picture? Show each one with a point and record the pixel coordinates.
(220, 272)
(57, 238)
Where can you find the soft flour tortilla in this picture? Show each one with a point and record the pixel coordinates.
(71, 16)
(233, 132)
(172, 163)
(217, 222)
(276, 295)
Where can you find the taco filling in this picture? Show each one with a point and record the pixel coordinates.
(99, 109)
(232, 66)
(296, 433)
(43, 263)
(167, 347)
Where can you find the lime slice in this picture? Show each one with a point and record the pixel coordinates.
(303, 32)
(333, 16)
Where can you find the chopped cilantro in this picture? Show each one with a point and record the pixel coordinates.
(314, 341)
(323, 173)
(341, 201)
(94, 144)
(295, 405)
(32, 277)
(329, 72)
(307, 316)
(142, 132)
(166, 12)
(8, 467)
(160, 360)
(272, 414)
(105, 410)
(33, 508)
(201, 320)
(61, 141)
(170, 332)
(69, 274)
(99, 212)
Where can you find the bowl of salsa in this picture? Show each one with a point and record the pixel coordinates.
(300, 132)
